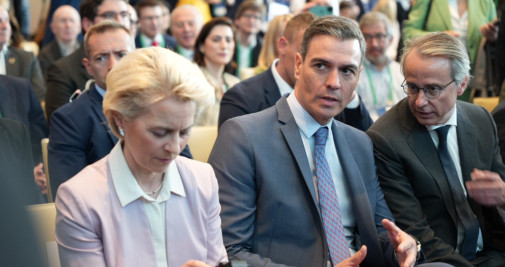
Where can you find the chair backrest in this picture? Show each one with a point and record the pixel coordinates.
(44, 221)
(45, 143)
(488, 103)
(201, 141)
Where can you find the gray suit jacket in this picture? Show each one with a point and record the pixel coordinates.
(270, 212)
(414, 181)
(22, 64)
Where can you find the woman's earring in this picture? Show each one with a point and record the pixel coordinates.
(121, 132)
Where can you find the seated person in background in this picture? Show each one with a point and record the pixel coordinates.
(215, 46)
(161, 209)
(460, 18)
(186, 24)
(16, 167)
(16, 62)
(66, 26)
(438, 159)
(68, 75)
(79, 134)
(379, 85)
(263, 90)
(269, 50)
(134, 21)
(150, 13)
(18, 242)
(248, 20)
(298, 188)
(18, 102)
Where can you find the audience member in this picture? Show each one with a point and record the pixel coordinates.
(66, 26)
(134, 21)
(53, 5)
(499, 119)
(161, 209)
(248, 42)
(349, 9)
(151, 26)
(16, 62)
(186, 24)
(19, 242)
(165, 17)
(452, 17)
(18, 102)
(282, 201)
(263, 90)
(68, 75)
(390, 9)
(269, 50)
(216, 45)
(438, 159)
(379, 84)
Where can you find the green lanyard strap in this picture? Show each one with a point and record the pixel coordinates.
(372, 87)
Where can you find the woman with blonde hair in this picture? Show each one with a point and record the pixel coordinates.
(143, 205)
(269, 51)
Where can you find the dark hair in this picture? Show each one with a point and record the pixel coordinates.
(298, 23)
(249, 5)
(147, 3)
(198, 57)
(89, 8)
(339, 27)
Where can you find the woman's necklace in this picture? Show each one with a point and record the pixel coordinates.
(157, 189)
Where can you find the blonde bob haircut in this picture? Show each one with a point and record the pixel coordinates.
(148, 75)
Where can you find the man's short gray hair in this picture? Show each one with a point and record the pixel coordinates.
(374, 17)
(440, 45)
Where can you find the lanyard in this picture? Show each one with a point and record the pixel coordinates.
(239, 52)
(372, 87)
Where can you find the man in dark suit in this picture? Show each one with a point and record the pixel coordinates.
(68, 74)
(499, 119)
(79, 133)
(66, 26)
(272, 174)
(438, 159)
(150, 15)
(15, 160)
(263, 90)
(16, 62)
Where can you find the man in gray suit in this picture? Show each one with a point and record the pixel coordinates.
(438, 159)
(16, 62)
(270, 177)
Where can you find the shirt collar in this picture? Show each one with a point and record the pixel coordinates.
(187, 53)
(100, 90)
(148, 41)
(284, 87)
(303, 119)
(126, 186)
(453, 120)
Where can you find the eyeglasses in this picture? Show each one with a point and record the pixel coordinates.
(251, 16)
(113, 15)
(430, 91)
(379, 37)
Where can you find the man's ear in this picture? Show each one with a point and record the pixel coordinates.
(463, 85)
(282, 44)
(298, 65)
(86, 24)
(85, 62)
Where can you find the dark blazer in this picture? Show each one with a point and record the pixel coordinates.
(49, 54)
(170, 42)
(414, 181)
(22, 64)
(269, 209)
(499, 119)
(18, 102)
(65, 76)
(79, 136)
(261, 92)
(16, 165)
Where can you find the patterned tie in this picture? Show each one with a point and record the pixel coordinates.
(328, 201)
(154, 43)
(465, 213)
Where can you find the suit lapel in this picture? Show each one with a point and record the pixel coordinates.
(467, 142)
(12, 63)
(442, 13)
(271, 89)
(359, 198)
(421, 144)
(291, 134)
(96, 105)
